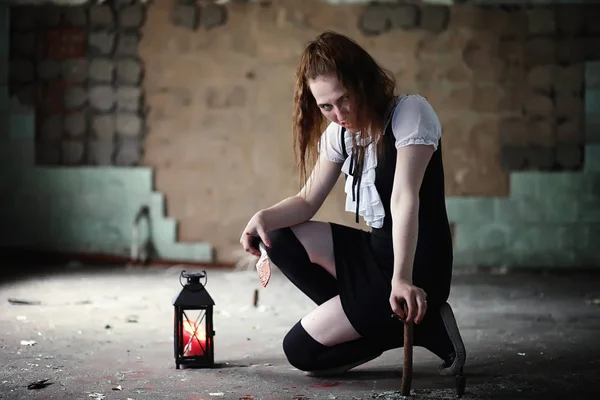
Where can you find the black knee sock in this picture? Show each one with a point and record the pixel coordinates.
(306, 354)
(288, 254)
(301, 350)
(349, 352)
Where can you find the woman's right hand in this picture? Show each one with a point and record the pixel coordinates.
(255, 229)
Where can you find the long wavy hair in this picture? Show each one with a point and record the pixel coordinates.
(371, 88)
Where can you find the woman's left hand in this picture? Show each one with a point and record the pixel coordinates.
(414, 297)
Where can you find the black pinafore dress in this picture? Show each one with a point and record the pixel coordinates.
(365, 261)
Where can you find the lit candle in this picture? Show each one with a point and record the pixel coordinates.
(194, 339)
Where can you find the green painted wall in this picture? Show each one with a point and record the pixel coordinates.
(74, 209)
(549, 219)
(79, 209)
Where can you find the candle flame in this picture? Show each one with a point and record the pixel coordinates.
(193, 335)
(192, 329)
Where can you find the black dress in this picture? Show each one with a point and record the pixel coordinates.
(364, 260)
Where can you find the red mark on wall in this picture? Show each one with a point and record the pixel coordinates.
(58, 44)
(64, 43)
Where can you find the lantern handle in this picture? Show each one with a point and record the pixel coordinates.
(204, 274)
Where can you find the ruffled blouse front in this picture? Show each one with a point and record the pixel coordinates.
(361, 194)
(413, 122)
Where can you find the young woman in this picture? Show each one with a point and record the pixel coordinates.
(389, 148)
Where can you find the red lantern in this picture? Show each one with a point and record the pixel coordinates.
(194, 333)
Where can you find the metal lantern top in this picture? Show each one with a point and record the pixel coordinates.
(193, 295)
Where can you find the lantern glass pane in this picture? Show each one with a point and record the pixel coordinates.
(194, 333)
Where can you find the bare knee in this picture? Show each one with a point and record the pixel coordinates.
(317, 240)
(329, 325)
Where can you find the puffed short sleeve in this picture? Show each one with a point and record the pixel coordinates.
(330, 143)
(414, 121)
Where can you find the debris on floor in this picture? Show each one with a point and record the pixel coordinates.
(439, 394)
(132, 318)
(519, 345)
(390, 395)
(39, 384)
(24, 302)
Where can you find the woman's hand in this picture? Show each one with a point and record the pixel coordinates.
(255, 228)
(414, 297)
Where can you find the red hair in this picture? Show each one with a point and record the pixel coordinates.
(371, 89)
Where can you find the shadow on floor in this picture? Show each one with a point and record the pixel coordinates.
(571, 374)
(20, 265)
(17, 265)
(528, 335)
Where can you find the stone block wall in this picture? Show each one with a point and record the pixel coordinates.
(68, 209)
(548, 219)
(80, 210)
(558, 42)
(78, 67)
(504, 80)
(514, 89)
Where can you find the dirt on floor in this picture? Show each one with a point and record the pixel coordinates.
(83, 332)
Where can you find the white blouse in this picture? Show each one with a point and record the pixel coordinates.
(413, 121)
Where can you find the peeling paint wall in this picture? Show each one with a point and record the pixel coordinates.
(514, 89)
(506, 84)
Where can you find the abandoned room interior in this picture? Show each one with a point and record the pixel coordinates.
(139, 137)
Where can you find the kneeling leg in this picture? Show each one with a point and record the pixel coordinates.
(306, 354)
(325, 339)
(304, 255)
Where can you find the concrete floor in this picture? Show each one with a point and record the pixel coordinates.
(529, 336)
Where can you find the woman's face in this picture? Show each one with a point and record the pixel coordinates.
(332, 99)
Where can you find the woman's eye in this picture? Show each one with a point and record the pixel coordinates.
(326, 107)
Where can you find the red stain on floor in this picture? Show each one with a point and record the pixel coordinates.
(325, 384)
(145, 388)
